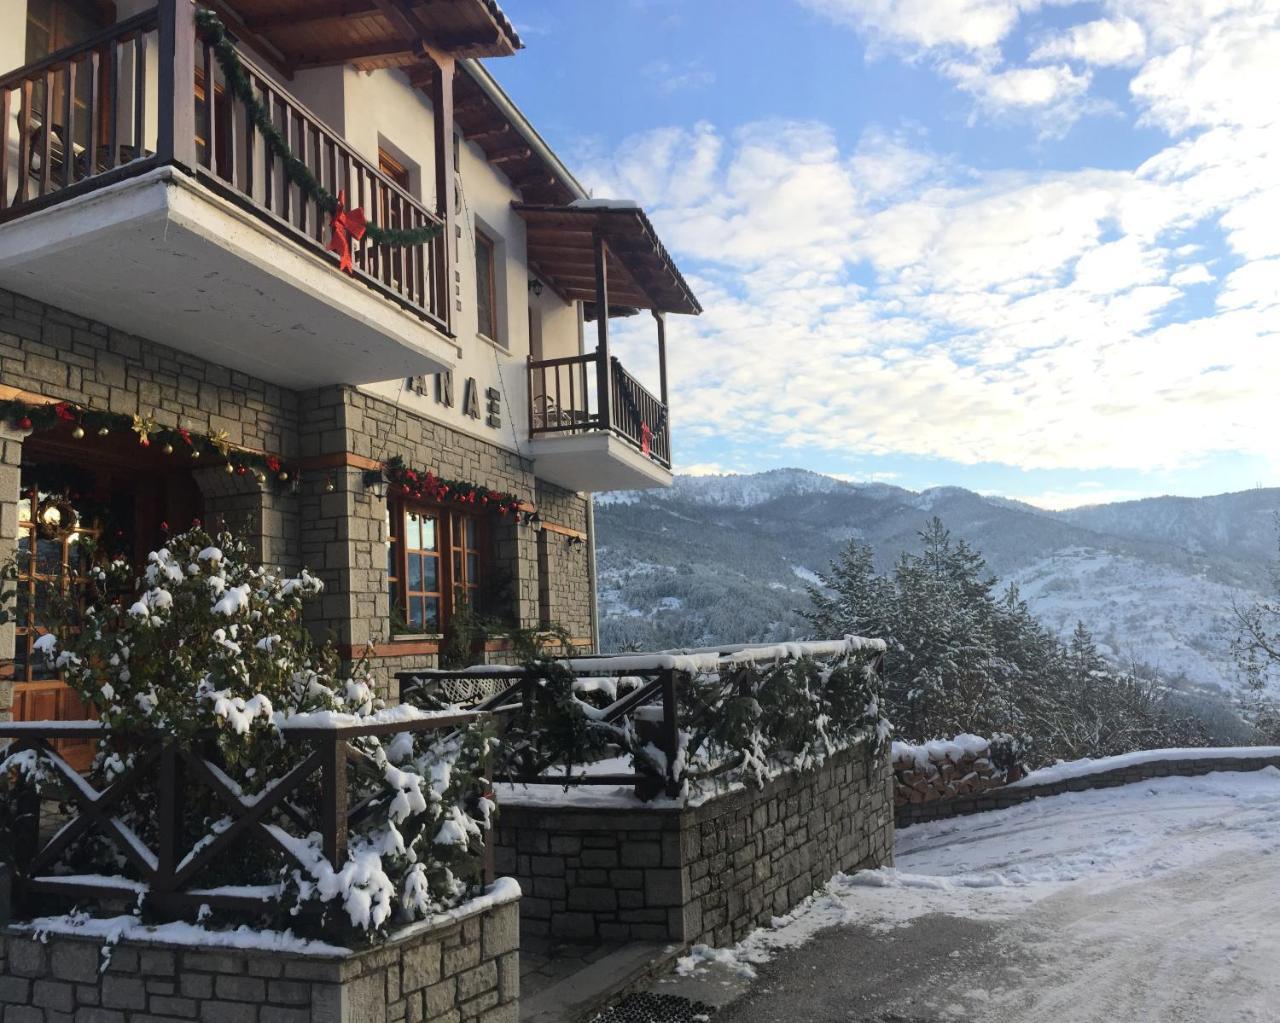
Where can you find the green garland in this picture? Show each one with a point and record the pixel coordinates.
(177, 441)
(213, 32)
(426, 486)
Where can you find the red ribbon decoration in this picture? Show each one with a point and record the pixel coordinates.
(646, 439)
(346, 226)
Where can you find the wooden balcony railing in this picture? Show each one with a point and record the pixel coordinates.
(564, 398)
(119, 114)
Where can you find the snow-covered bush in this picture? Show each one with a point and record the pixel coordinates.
(740, 718)
(209, 648)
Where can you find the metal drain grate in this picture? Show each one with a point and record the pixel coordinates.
(650, 1008)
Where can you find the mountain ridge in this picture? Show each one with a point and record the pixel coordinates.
(728, 558)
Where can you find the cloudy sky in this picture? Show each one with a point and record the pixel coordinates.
(1026, 247)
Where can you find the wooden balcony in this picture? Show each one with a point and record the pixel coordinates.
(585, 444)
(135, 189)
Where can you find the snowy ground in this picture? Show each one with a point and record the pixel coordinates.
(1156, 901)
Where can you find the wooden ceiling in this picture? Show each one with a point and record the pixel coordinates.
(373, 33)
(641, 275)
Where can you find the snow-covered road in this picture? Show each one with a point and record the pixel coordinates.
(1157, 901)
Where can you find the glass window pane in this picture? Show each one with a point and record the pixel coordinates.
(431, 574)
(457, 566)
(415, 573)
(429, 533)
(433, 615)
(413, 532)
(415, 612)
(472, 565)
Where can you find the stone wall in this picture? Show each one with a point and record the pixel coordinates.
(1026, 790)
(709, 873)
(464, 970)
(331, 524)
(946, 769)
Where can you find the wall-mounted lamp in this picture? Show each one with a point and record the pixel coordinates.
(374, 482)
(533, 521)
(535, 286)
(574, 541)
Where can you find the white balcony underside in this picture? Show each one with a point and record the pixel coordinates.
(591, 462)
(162, 257)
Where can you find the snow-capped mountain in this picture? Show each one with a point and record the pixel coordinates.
(728, 558)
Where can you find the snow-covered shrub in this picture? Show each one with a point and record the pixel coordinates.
(739, 718)
(209, 648)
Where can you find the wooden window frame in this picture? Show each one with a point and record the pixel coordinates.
(491, 280)
(449, 522)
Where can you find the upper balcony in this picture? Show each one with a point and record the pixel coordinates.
(137, 189)
(592, 425)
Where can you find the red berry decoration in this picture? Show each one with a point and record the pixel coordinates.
(24, 423)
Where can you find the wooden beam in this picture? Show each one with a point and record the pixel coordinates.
(317, 10)
(604, 369)
(351, 52)
(508, 155)
(440, 93)
(499, 131)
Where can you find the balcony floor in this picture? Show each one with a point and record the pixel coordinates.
(591, 462)
(165, 258)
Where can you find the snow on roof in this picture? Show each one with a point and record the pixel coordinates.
(605, 204)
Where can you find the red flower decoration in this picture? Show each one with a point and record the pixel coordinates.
(185, 434)
(64, 412)
(273, 463)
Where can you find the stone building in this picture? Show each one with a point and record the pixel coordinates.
(178, 341)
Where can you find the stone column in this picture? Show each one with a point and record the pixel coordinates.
(10, 488)
(263, 514)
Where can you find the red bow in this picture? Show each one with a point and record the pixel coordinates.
(646, 439)
(346, 226)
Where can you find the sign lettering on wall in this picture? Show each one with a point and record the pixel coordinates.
(493, 407)
(470, 396)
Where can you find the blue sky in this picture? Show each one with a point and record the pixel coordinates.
(1025, 247)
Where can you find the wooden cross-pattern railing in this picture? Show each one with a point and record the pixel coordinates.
(169, 873)
(515, 698)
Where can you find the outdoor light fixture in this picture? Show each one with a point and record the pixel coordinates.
(534, 522)
(375, 482)
(535, 286)
(574, 541)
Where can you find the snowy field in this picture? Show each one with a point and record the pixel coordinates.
(1156, 901)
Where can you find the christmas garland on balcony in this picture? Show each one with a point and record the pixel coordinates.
(28, 416)
(426, 486)
(353, 222)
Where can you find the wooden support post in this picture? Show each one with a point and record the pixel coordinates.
(670, 729)
(333, 801)
(176, 88)
(604, 370)
(441, 96)
(660, 318)
(169, 820)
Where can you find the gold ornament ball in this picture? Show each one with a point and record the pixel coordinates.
(230, 468)
(103, 431)
(168, 449)
(283, 477)
(195, 452)
(330, 486)
(78, 433)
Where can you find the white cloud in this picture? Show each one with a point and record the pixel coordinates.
(1102, 43)
(1018, 88)
(1014, 317)
(671, 78)
(926, 24)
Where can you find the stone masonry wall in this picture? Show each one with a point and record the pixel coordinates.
(1002, 798)
(340, 533)
(709, 873)
(466, 970)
